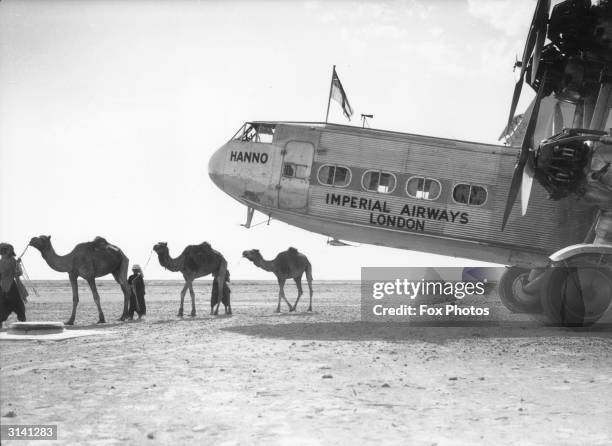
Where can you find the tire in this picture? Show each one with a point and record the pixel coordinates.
(576, 296)
(513, 296)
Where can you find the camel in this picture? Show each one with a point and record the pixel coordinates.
(197, 261)
(289, 264)
(88, 260)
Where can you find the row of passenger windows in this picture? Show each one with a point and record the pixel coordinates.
(416, 187)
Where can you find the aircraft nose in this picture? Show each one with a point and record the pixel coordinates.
(216, 166)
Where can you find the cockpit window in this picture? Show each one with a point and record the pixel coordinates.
(334, 175)
(256, 132)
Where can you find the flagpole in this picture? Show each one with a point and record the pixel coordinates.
(331, 84)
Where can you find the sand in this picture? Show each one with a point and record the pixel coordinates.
(302, 379)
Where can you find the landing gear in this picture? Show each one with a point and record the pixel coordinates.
(576, 296)
(513, 294)
(569, 296)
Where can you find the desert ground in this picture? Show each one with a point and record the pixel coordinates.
(302, 378)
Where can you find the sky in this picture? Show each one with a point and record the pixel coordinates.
(109, 111)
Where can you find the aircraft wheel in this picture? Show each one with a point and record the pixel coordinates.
(512, 294)
(576, 297)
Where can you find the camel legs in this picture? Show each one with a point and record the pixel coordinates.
(309, 280)
(298, 284)
(281, 294)
(221, 273)
(183, 291)
(126, 296)
(192, 294)
(96, 298)
(75, 297)
(226, 296)
(213, 293)
(120, 275)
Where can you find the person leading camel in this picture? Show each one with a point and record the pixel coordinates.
(137, 293)
(11, 300)
(289, 264)
(225, 297)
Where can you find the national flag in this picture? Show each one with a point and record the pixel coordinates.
(337, 92)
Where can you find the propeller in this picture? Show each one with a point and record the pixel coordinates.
(522, 179)
(535, 39)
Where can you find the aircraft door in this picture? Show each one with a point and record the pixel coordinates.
(295, 176)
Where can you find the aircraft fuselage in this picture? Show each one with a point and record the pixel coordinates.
(394, 189)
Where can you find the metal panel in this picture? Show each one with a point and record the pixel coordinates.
(256, 181)
(548, 226)
(539, 230)
(425, 156)
(293, 192)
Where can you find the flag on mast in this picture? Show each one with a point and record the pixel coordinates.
(339, 95)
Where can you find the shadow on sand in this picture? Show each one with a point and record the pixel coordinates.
(94, 326)
(179, 320)
(372, 331)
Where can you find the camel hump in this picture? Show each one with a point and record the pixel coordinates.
(202, 248)
(100, 240)
(101, 244)
(198, 255)
(292, 250)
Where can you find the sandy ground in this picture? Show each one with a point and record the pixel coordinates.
(302, 379)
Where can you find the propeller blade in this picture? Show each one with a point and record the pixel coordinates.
(557, 119)
(537, 28)
(517, 177)
(537, 52)
(513, 192)
(578, 114)
(515, 98)
(527, 182)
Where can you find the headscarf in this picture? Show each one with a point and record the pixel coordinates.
(137, 268)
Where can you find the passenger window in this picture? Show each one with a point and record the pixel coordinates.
(334, 175)
(377, 181)
(470, 194)
(423, 188)
(461, 193)
(478, 195)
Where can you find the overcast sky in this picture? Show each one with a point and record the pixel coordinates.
(109, 111)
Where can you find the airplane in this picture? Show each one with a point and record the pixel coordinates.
(456, 198)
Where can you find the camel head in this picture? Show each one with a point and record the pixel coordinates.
(42, 243)
(161, 248)
(253, 255)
